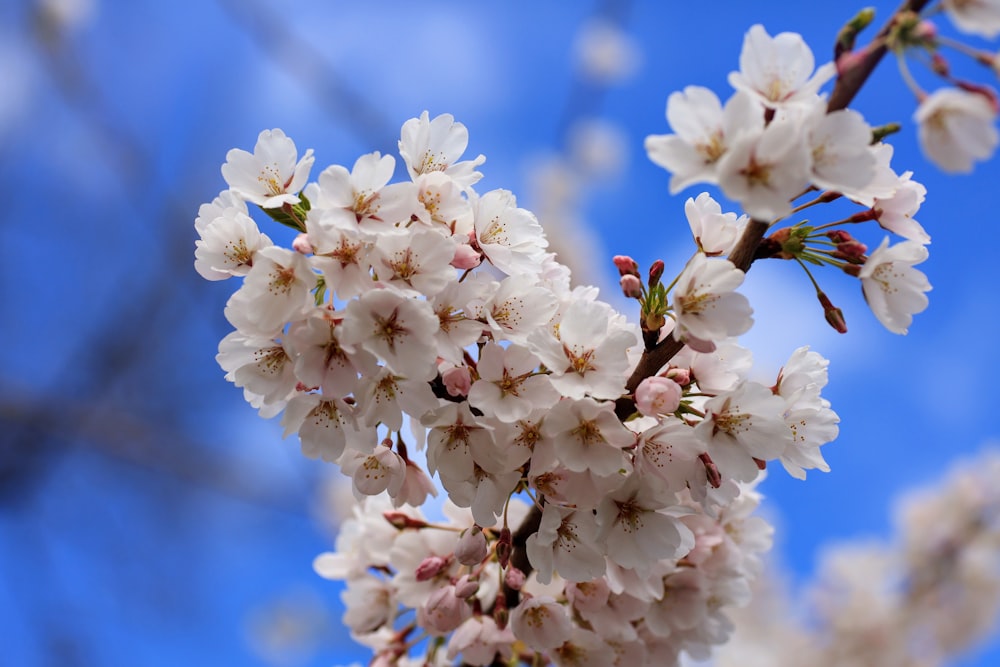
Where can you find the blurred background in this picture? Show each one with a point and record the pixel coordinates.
(148, 516)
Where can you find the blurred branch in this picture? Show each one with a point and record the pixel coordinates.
(314, 71)
(123, 436)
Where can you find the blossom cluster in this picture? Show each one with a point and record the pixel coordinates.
(598, 494)
(774, 141)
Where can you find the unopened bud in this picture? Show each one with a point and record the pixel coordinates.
(472, 547)
(429, 567)
(939, 65)
(655, 272)
(466, 257)
(681, 376)
(466, 586)
(514, 578)
(839, 236)
(504, 547)
(852, 251)
(402, 521)
(834, 316)
(761, 463)
(626, 265)
(631, 286)
(712, 470)
(301, 245)
(500, 613)
(851, 270)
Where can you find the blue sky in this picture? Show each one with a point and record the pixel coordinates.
(145, 511)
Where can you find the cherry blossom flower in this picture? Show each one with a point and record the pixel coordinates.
(705, 307)
(957, 128)
(362, 198)
(657, 396)
(418, 263)
(704, 132)
(840, 142)
(274, 292)
(507, 387)
(566, 543)
(765, 170)
(979, 17)
(397, 329)
(435, 145)
(742, 425)
(714, 232)
(325, 426)
(894, 289)
(510, 237)
(778, 70)
(541, 623)
(895, 212)
(227, 245)
(587, 435)
(270, 177)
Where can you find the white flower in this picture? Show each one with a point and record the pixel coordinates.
(397, 329)
(777, 70)
(634, 533)
(541, 623)
(227, 245)
(715, 232)
(510, 237)
(957, 128)
(325, 426)
(587, 436)
(435, 145)
(842, 159)
(320, 359)
(590, 354)
(894, 289)
(765, 170)
(979, 17)
(262, 367)
(341, 254)
(704, 131)
(742, 425)
(705, 306)
(275, 291)
(362, 197)
(417, 262)
(517, 308)
(895, 212)
(508, 387)
(269, 177)
(565, 543)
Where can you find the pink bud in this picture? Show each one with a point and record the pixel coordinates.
(631, 286)
(626, 265)
(514, 578)
(834, 316)
(681, 376)
(457, 380)
(472, 547)
(443, 611)
(657, 396)
(466, 257)
(429, 567)
(301, 245)
(712, 470)
(504, 547)
(466, 587)
(655, 273)
(401, 520)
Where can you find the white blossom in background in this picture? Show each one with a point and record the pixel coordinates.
(606, 53)
(957, 128)
(979, 17)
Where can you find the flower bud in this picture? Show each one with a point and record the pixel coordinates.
(457, 380)
(443, 611)
(466, 587)
(655, 273)
(712, 470)
(834, 316)
(657, 396)
(681, 376)
(430, 567)
(466, 257)
(626, 265)
(401, 520)
(301, 245)
(472, 547)
(631, 286)
(514, 578)
(504, 547)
